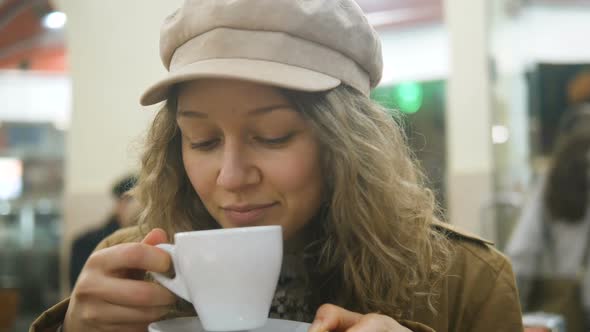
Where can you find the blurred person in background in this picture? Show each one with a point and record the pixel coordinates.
(120, 217)
(578, 89)
(550, 246)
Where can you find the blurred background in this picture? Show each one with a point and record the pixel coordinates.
(482, 85)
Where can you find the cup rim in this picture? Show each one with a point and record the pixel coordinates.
(236, 230)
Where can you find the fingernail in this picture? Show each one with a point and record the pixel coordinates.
(316, 326)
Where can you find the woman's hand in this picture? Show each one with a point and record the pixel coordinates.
(335, 319)
(110, 294)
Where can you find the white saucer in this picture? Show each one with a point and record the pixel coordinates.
(192, 324)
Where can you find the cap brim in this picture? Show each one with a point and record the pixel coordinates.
(259, 71)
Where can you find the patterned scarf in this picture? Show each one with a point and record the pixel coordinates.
(292, 297)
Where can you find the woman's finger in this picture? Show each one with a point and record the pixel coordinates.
(103, 313)
(125, 292)
(128, 256)
(336, 319)
(155, 236)
(333, 318)
(141, 327)
(377, 323)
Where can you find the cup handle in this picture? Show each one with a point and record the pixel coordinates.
(175, 285)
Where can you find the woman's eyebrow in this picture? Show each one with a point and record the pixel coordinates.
(268, 109)
(192, 114)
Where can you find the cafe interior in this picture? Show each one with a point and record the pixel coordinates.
(481, 85)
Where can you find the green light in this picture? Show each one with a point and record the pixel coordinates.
(409, 97)
(406, 97)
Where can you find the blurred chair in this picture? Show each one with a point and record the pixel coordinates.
(9, 302)
(543, 322)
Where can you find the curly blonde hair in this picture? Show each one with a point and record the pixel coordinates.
(377, 225)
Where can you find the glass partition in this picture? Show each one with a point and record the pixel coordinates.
(31, 183)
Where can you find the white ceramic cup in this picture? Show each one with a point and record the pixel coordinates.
(229, 275)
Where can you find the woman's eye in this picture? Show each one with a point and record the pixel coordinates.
(275, 141)
(205, 145)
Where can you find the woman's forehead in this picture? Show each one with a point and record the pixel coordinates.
(223, 99)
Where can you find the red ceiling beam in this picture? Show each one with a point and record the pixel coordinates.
(402, 13)
(49, 59)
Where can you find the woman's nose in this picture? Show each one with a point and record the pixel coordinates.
(237, 171)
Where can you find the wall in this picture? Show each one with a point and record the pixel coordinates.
(541, 34)
(419, 53)
(35, 97)
(113, 55)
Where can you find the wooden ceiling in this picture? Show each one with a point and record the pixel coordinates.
(25, 44)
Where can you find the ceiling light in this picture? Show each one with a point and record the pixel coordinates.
(500, 134)
(54, 20)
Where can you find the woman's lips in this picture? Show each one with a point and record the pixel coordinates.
(245, 215)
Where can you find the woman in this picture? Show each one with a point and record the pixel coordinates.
(268, 121)
(550, 246)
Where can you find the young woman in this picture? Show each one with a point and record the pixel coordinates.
(268, 121)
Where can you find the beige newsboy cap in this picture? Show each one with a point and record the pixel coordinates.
(307, 45)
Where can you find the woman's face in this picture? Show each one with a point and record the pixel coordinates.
(251, 157)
